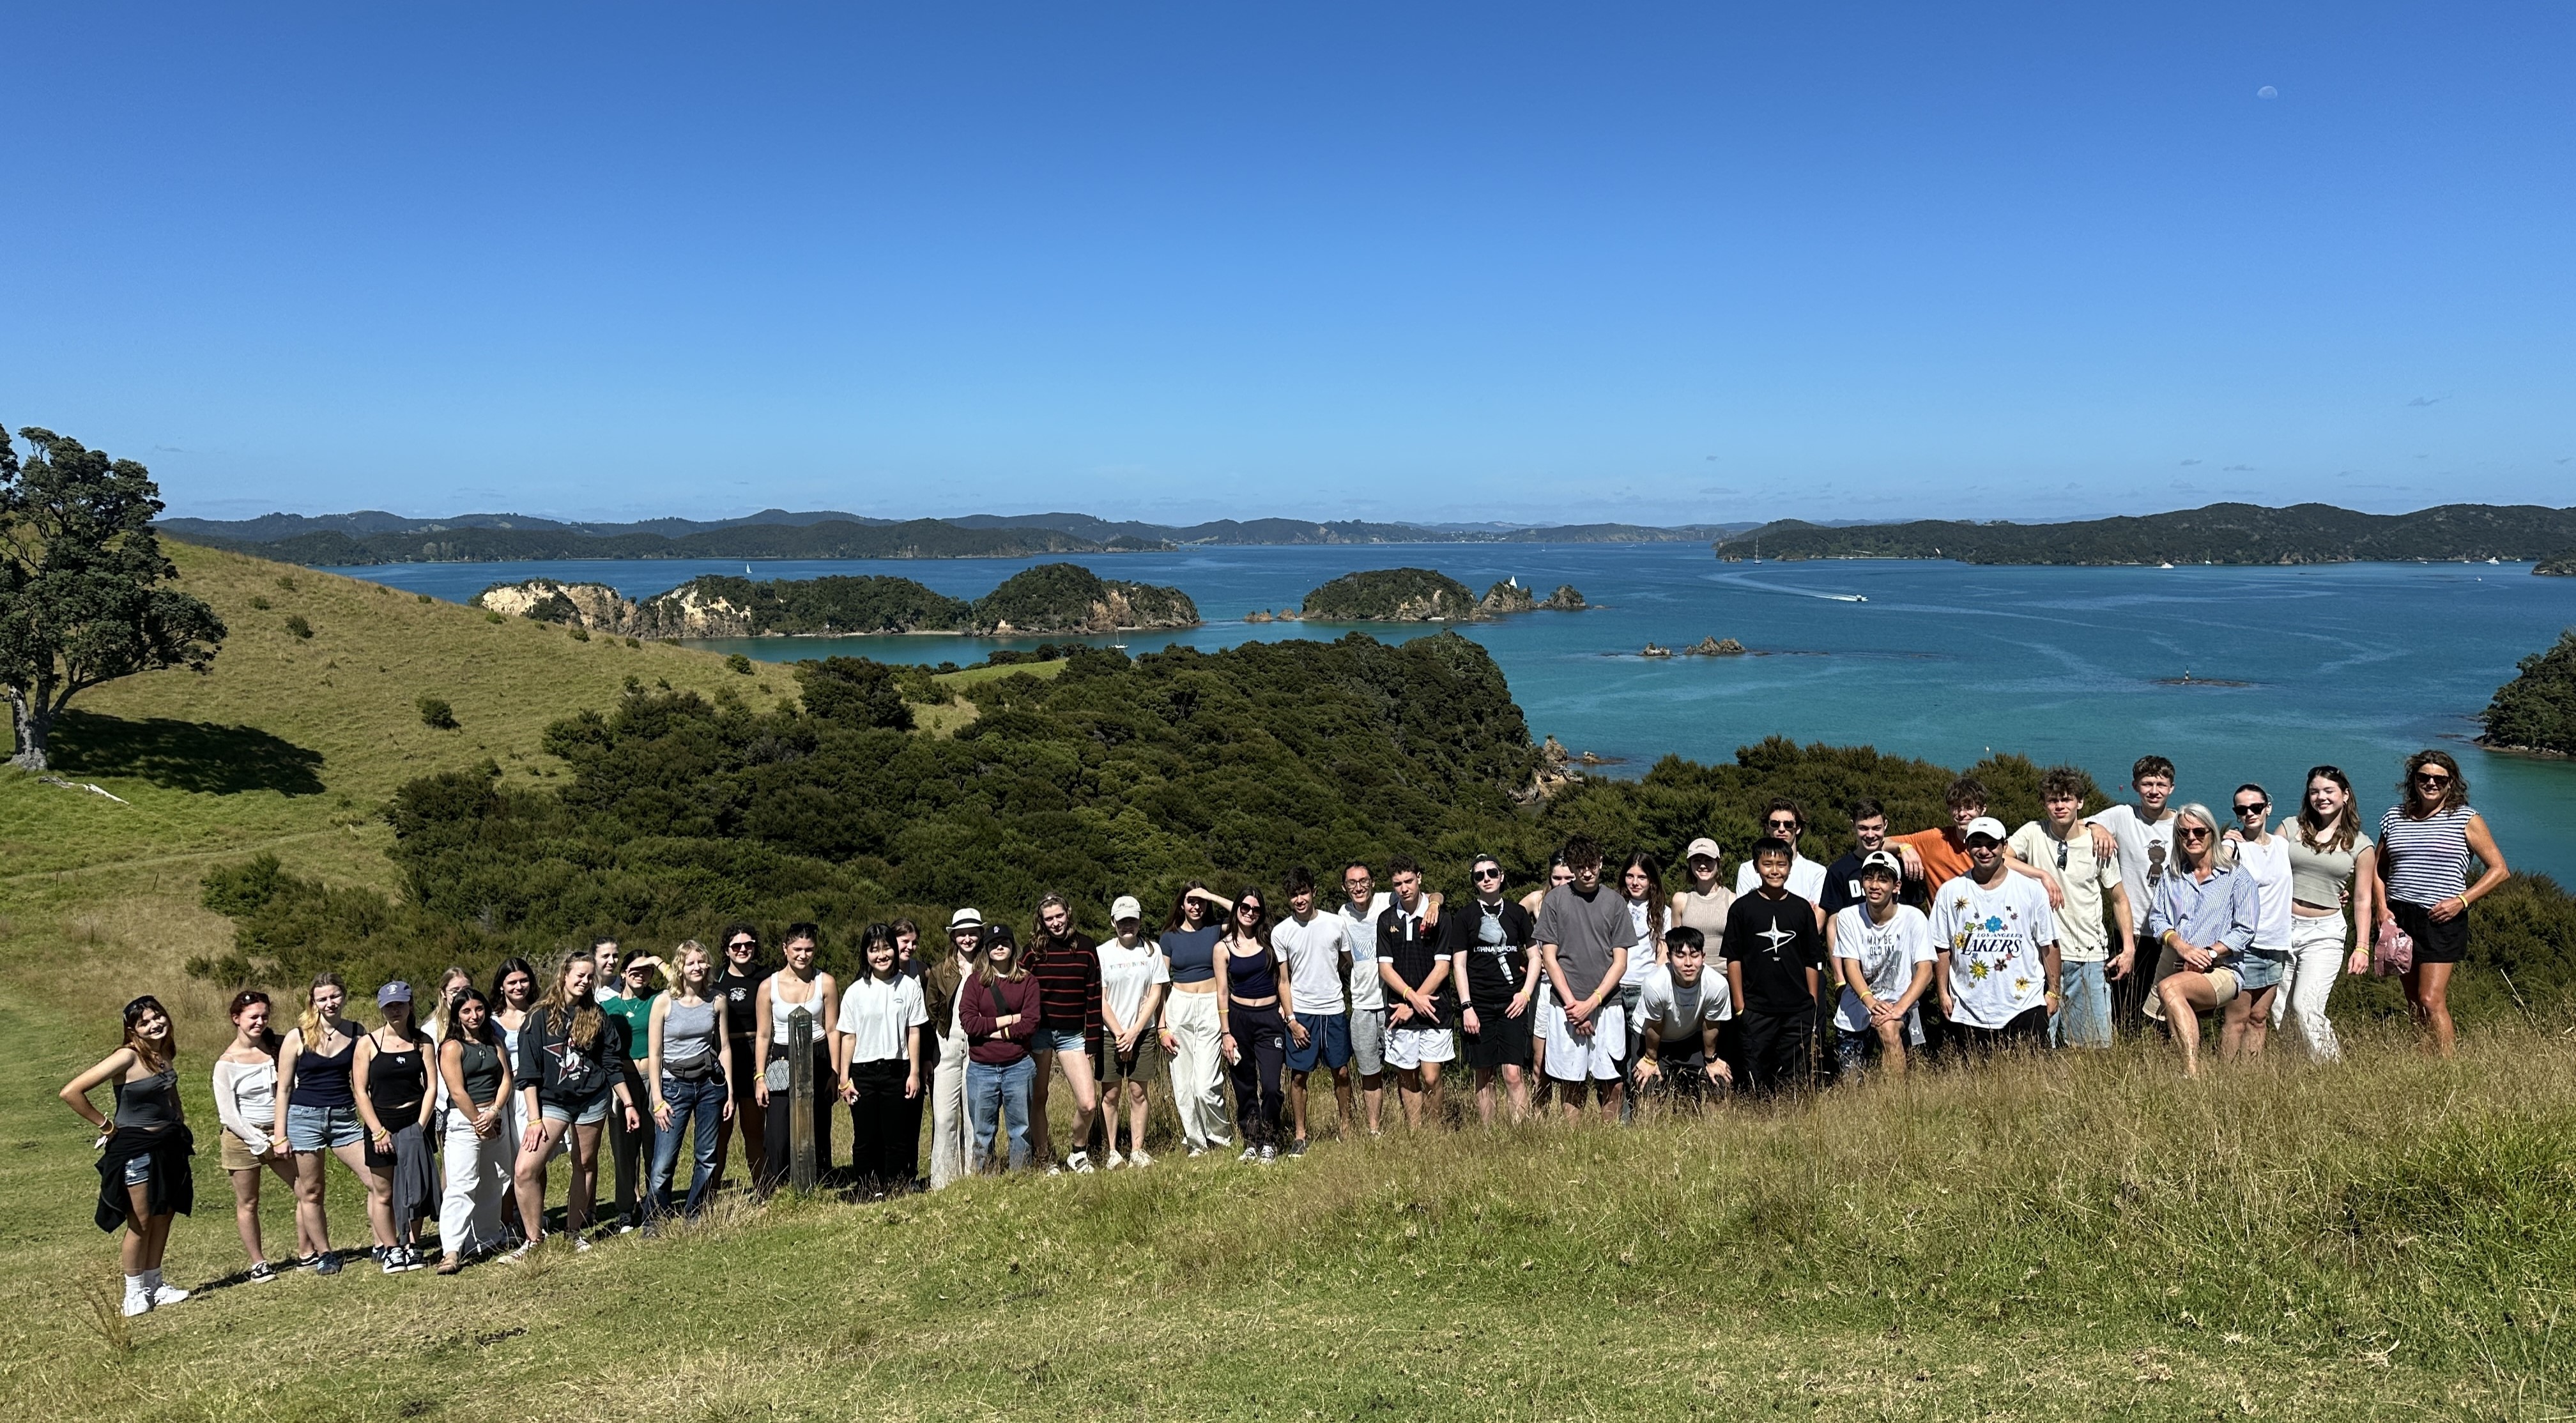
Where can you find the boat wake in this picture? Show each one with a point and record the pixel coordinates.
(1757, 585)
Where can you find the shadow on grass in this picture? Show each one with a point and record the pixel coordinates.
(184, 755)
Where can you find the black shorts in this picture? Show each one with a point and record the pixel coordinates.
(2027, 1030)
(2435, 941)
(1504, 1041)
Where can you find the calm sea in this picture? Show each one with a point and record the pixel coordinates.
(2356, 665)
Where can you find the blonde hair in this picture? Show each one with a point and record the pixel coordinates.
(309, 1022)
(442, 1015)
(579, 1022)
(677, 974)
(2222, 851)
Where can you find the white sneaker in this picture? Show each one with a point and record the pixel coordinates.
(1114, 1162)
(1139, 1158)
(1080, 1161)
(167, 1295)
(1270, 1156)
(1197, 1151)
(137, 1303)
(581, 1242)
(1055, 1168)
(1250, 1155)
(526, 1249)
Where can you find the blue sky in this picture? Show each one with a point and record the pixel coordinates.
(1634, 262)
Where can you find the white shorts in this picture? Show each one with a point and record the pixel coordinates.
(1412, 1047)
(1572, 1059)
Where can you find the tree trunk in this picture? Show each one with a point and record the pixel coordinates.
(34, 727)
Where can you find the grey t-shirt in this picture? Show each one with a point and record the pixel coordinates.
(1585, 931)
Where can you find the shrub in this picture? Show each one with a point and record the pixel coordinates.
(632, 642)
(435, 712)
(296, 625)
(491, 617)
(855, 693)
(423, 597)
(2536, 711)
(259, 602)
(736, 662)
(286, 581)
(579, 633)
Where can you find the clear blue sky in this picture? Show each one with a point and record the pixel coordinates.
(1523, 262)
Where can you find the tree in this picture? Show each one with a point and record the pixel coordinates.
(854, 692)
(78, 568)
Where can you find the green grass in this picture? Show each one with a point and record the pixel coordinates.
(960, 680)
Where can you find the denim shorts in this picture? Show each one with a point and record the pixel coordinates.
(322, 1128)
(1057, 1040)
(589, 1112)
(138, 1171)
(2257, 970)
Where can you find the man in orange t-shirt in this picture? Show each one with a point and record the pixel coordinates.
(1937, 856)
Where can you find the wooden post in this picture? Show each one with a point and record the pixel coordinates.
(800, 1100)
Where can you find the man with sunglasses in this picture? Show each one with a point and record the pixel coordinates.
(2088, 882)
(1783, 820)
(1497, 976)
(2142, 838)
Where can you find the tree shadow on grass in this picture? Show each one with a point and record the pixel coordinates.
(184, 755)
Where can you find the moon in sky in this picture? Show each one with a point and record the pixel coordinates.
(2267, 92)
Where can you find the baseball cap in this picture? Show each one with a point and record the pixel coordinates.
(1987, 826)
(1883, 860)
(1701, 846)
(394, 992)
(1125, 907)
(965, 919)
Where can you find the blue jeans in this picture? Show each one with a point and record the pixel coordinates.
(2084, 1012)
(704, 1101)
(1005, 1090)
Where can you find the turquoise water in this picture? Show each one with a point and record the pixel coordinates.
(2356, 664)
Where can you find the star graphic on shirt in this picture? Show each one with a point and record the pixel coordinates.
(1776, 936)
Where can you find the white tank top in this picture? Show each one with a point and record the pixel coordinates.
(779, 1008)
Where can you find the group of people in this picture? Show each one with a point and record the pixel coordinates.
(1597, 988)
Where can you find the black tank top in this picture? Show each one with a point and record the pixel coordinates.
(322, 1079)
(1252, 975)
(480, 1065)
(396, 1081)
(149, 1103)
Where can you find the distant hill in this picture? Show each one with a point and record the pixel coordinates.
(918, 538)
(270, 528)
(2219, 533)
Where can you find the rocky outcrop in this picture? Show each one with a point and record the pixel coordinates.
(1656, 650)
(594, 606)
(1507, 596)
(1714, 647)
(1564, 600)
(1066, 597)
(2563, 566)
(692, 610)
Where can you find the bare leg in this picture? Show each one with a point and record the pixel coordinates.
(1891, 1047)
(1613, 1092)
(1485, 1095)
(528, 1178)
(380, 1192)
(312, 1227)
(2428, 992)
(1346, 1112)
(1041, 1133)
(581, 1197)
(246, 1203)
(1373, 1091)
(1136, 1108)
(1297, 1104)
(2182, 994)
(135, 1251)
(1086, 1095)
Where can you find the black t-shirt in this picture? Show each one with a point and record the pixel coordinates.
(1776, 941)
(741, 995)
(1413, 951)
(1496, 940)
(1842, 885)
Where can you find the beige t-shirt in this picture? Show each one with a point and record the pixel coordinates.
(2082, 936)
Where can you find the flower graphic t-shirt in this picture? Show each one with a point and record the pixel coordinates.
(1994, 938)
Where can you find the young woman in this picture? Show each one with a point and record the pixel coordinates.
(1192, 1036)
(568, 1077)
(2424, 847)
(392, 1080)
(998, 1011)
(246, 1103)
(2331, 862)
(2203, 916)
(321, 1120)
(1251, 1031)
(738, 982)
(143, 1177)
(799, 985)
(1702, 904)
(688, 1070)
(916, 966)
(1066, 965)
(876, 1051)
(474, 1067)
(1641, 883)
(514, 992)
(1542, 1086)
(2264, 857)
(1134, 978)
(630, 1153)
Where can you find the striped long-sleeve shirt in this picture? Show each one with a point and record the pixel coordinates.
(1068, 975)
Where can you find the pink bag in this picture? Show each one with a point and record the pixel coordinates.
(2395, 954)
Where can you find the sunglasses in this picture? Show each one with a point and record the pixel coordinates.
(1489, 874)
(2431, 779)
(744, 944)
(1247, 911)
(2256, 807)
(1781, 824)
(2191, 834)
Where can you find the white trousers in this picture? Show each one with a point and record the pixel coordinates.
(1198, 1069)
(478, 1172)
(2316, 961)
(952, 1145)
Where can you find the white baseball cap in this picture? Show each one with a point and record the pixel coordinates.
(965, 919)
(1701, 846)
(1125, 907)
(1987, 826)
(1883, 860)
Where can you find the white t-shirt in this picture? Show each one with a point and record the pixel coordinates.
(1886, 953)
(1313, 953)
(1675, 1011)
(1806, 879)
(1359, 934)
(2082, 936)
(2145, 851)
(1641, 955)
(2269, 864)
(1126, 973)
(1994, 937)
(876, 1014)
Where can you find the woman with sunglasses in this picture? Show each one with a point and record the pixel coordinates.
(2203, 918)
(2331, 862)
(1250, 1030)
(514, 992)
(998, 1010)
(1193, 1034)
(2424, 848)
(2266, 963)
(143, 1176)
(738, 982)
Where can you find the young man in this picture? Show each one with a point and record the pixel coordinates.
(1680, 1009)
(1497, 976)
(1783, 821)
(1998, 947)
(1363, 903)
(1842, 878)
(2088, 882)
(1420, 1005)
(1066, 964)
(1884, 947)
(1940, 854)
(1585, 935)
(1316, 952)
(1775, 957)
(2143, 837)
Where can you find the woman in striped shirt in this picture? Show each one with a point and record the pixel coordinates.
(2425, 843)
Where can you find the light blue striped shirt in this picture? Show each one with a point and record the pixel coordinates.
(2217, 913)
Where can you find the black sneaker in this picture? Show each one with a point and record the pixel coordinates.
(327, 1263)
(1297, 1147)
(262, 1272)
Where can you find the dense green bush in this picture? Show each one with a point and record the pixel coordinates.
(1067, 597)
(296, 626)
(1392, 595)
(837, 604)
(435, 712)
(855, 693)
(2536, 711)
(738, 664)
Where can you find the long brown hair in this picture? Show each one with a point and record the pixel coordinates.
(442, 1016)
(1657, 905)
(2454, 796)
(2315, 833)
(268, 1039)
(578, 1022)
(999, 934)
(158, 1059)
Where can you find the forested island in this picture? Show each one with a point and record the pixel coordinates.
(2536, 711)
(1421, 595)
(2563, 566)
(1049, 598)
(2219, 533)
